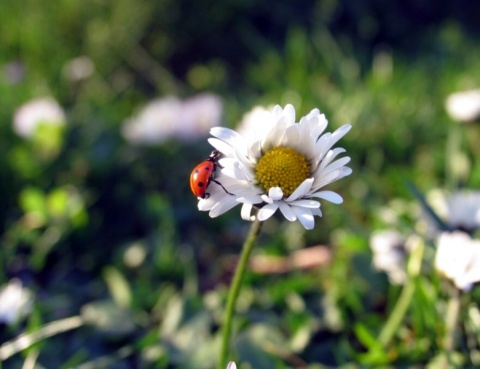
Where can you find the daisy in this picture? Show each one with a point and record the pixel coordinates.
(170, 117)
(459, 210)
(458, 259)
(15, 302)
(464, 106)
(390, 252)
(279, 165)
(34, 113)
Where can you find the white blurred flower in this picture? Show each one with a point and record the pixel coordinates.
(79, 68)
(231, 365)
(464, 106)
(459, 211)
(35, 112)
(389, 254)
(199, 114)
(155, 122)
(458, 259)
(252, 124)
(169, 117)
(15, 302)
(283, 166)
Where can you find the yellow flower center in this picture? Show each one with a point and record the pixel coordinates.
(282, 167)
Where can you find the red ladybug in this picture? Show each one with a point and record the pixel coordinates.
(202, 174)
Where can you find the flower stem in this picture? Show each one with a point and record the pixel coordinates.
(396, 316)
(451, 320)
(234, 291)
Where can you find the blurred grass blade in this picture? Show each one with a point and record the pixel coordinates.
(107, 361)
(419, 196)
(365, 337)
(26, 340)
(118, 286)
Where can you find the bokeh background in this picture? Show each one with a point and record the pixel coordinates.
(96, 216)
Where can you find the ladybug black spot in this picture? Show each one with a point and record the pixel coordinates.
(200, 184)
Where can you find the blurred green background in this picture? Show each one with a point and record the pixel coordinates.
(93, 224)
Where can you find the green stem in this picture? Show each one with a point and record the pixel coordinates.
(451, 320)
(395, 319)
(234, 291)
(396, 316)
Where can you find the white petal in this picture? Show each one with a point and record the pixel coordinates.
(287, 211)
(345, 171)
(266, 199)
(246, 212)
(335, 165)
(231, 168)
(301, 190)
(250, 199)
(227, 135)
(235, 169)
(332, 139)
(267, 211)
(318, 122)
(255, 149)
(323, 144)
(306, 204)
(305, 142)
(275, 193)
(225, 148)
(303, 121)
(246, 170)
(342, 131)
(326, 179)
(231, 137)
(275, 136)
(293, 136)
(289, 112)
(331, 196)
(305, 216)
(317, 212)
(209, 203)
(327, 159)
(223, 206)
(277, 111)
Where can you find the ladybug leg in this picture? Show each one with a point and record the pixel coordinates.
(214, 180)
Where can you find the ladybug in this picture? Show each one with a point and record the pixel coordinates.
(202, 174)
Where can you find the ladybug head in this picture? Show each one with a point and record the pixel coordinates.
(214, 156)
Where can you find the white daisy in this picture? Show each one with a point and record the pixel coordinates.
(282, 165)
(15, 302)
(389, 254)
(464, 106)
(78, 69)
(170, 117)
(36, 112)
(459, 210)
(458, 258)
